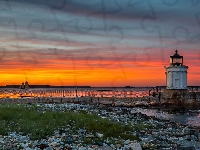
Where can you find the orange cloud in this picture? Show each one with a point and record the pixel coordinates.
(94, 71)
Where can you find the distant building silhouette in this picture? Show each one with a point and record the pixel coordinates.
(24, 86)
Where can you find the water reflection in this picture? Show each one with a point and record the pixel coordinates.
(153, 112)
(72, 92)
(186, 118)
(194, 120)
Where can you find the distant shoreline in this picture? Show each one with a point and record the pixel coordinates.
(52, 86)
(44, 86)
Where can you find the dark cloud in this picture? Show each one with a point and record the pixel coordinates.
(100, 8)
(68, 20)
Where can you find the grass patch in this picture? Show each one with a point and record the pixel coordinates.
(142, 126)
(40, 124)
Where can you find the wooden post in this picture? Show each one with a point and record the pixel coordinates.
(159, 96)
(113, 100)
(76, 92)
(149, 92)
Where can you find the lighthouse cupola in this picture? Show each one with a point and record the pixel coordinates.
(176, 60)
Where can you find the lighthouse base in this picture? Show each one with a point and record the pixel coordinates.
(175, 94)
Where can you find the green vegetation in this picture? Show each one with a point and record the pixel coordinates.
(40, 124)
(142, 126)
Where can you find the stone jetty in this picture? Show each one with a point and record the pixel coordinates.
(156, 99)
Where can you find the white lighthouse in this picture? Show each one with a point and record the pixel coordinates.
(176, 73)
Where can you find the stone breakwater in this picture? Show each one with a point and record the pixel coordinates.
(109, 101)
(164, 134)
(147, 101)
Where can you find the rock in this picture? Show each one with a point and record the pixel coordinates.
(98, 143)
(198, 136)
(89, 136)
(117, 146)
(57, 136)
(82, 148)
(66, 148)
(82, 131)
(193, 137)
(42, 146)
(126, 142)
(112, 146)
(135, 146)
(173, 139)
(127, 147)
(187, 148)
(2, 140)
(50, 140)
(104, 148)
(69, 141)
(28, 149)
(99, 135)
(185, 131)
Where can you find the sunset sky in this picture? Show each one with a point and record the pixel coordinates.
(97, 42)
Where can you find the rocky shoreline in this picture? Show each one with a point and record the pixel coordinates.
(165, 134)
(146, 101)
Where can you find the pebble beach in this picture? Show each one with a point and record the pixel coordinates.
(164, 135)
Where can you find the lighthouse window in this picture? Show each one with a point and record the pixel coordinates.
(177, 60)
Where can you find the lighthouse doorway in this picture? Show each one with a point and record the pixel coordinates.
(177, 83)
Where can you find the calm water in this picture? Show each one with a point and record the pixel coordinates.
(187, 118)
(72, 92)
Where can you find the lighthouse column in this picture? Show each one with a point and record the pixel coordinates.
(185, 79)
(181, 80)
(171, 80)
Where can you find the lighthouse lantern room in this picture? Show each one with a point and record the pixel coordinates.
(176, 73)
